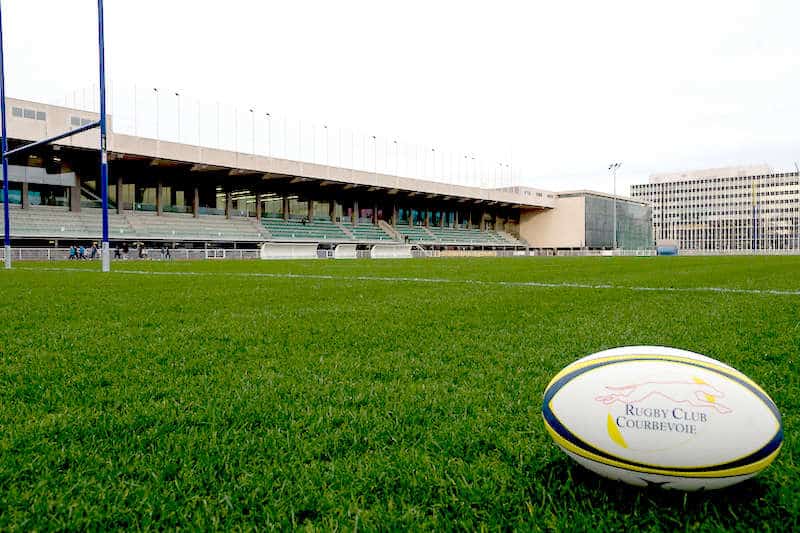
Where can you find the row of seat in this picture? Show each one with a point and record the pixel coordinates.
(56, 222)
(367, 232)
(304, 229)
(457, 236)
(203, 227)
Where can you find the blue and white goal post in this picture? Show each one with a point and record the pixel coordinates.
(105, 254)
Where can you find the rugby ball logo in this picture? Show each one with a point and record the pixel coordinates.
(652, 415)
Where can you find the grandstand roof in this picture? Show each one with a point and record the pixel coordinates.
(200, 159)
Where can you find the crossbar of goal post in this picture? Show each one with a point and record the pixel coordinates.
(6, 153)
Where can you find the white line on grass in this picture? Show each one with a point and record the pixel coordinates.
(539, 284)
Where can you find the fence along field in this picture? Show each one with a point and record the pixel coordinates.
(222, 398)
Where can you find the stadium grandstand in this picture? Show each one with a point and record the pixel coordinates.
(182, 195)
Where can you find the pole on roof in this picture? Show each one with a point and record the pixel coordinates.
(104, 254)
(6, 228)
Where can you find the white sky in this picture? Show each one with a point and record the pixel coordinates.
(566, 86)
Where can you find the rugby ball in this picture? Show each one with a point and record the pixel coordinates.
(649, 415)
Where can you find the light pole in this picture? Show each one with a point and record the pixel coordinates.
(269, 134)
(155, 90)
(613, 169)
(252, 131)
(474, 172)
(199, 129)
(219, 144)
(327, 152)
(327, 146)
(375, 155)
(396, 158)
(178, 98)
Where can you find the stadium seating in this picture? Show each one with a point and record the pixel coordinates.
(320, 229)
(47, 222)
(58, 223)
(180, 226)
(365, 230)
(456, 236)
(415, 233)
(473, 237)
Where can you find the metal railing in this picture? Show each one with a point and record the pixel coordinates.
(154, 254)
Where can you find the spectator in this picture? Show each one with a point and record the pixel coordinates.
(82, 252)
(93, 252)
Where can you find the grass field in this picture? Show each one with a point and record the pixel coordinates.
(228, 395)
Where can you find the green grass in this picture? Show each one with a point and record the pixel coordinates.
(222, 400)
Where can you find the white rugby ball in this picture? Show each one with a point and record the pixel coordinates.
(650, 415)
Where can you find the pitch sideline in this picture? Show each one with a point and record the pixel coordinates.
(535, 284)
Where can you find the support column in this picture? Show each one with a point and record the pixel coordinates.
(375, 213)
(75, 196)
(285, 207)
(119, 195)
(196, 201)
(228, 203)
(159, 193)
(427, 217)
(26, 202)
(443, 215)
(311, 210)
(332, 210)
(258, 207)
(410, 216)
(394, 214)
(354, 214)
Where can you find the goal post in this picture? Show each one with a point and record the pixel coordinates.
(101, 124)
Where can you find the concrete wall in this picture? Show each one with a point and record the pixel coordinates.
(562, 227)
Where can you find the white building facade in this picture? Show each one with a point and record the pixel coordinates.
(729, 210)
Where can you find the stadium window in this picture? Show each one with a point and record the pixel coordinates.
(41, 115)
(16, 112)
(74, 121)
(29, 113)
(85, 121)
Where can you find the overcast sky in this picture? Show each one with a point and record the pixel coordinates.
(563, 88)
